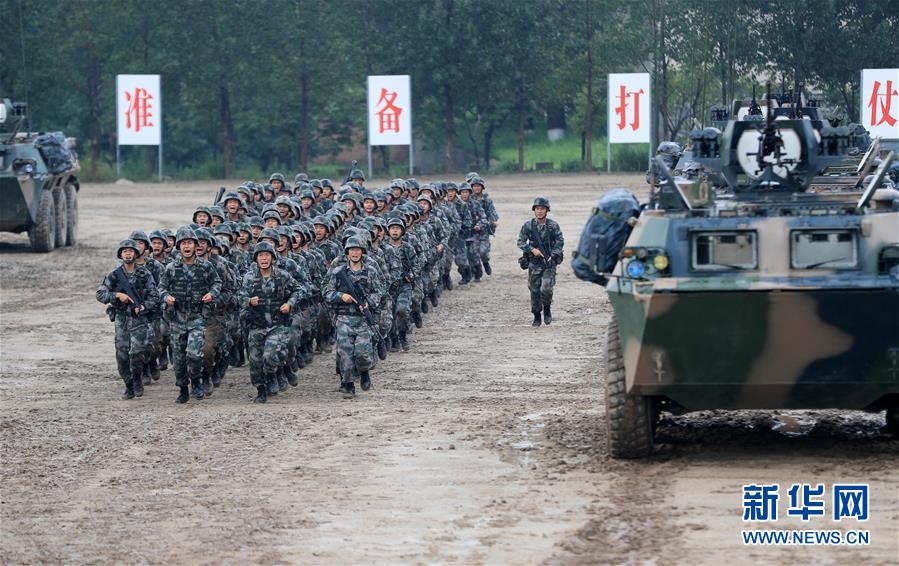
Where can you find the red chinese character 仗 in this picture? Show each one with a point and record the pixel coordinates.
(138, 114)
(882, 102)
(621, 109)
(389, 115)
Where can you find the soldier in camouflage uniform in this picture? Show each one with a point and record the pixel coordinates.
(541, 269)
(401, 289)
(474, 221)
(154, 315)
(188, 286)
(267, 296)
(355, 338)
(477, 187)
(160, 247)
(133, 331)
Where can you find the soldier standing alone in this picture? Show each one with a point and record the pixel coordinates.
(541, 241)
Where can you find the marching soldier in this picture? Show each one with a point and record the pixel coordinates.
(540, 239)
(131, 293)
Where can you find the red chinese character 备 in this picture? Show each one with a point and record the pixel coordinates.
(138, 114)
(389, 114)
(628, 99)
(882, 102)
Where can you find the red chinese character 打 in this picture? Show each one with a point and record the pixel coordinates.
(621, 109)
(389, 115)
(883, 104)
(138, 114)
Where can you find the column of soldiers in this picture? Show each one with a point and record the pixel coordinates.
(273, 274)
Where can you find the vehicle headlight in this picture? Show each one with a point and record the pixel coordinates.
(636, 269)
(660, 262)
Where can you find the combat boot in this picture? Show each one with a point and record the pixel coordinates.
(536, 319)
(433, 297)
(487, 269)
(404, 342)
(129, 391)
(547, 315)
(394, 343)
(477, 273)
(416, 318)
(273, 387)
(261, 394)
(291, 376)
(197, 389)
(424, 305)
(145, 375)
(206, 383)
(382, 349)
(307, 352)
(365, 381)
(282, 381)
(164, 360)
(319, 346)
(154, 369)
(298, 362)
(348, 390)
(448, 281)
(137, 386)
(218, 373)
(466, 276)
(182, 396)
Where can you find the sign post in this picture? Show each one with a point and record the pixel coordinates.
(880, 102)
(138, 114)
(389, 113)
(630, 111)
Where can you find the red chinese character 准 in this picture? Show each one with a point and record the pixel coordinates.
(138, 112)
(886, 100)
(389, 115)
(621, 110)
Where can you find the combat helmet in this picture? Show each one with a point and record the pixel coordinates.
(271, 214)
(270, 234)
(200, 209)
(396, 222)
(141, 236)
(231, 196)
(264, 247)
(300, 178)
(127, 243)
(159, 235)
(185, 233)
(357, 174)
(354, 242)
(276, 177)
(541, 201)
(471, 175)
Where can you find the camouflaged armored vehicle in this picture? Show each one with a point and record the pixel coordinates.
(744, 285)
(38, 186)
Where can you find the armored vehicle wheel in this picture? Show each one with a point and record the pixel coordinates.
(892, 426)
(43, 232)
(59, 199)
(72, 211)
(630, 418)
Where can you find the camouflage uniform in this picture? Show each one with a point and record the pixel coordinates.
(133, 333)
(188, 283)
(355, 338)
(541, 271)
(268, 335)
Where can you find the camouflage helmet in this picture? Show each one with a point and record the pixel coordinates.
(477, 181)
(271, 214)
(199, 209)
(669, 148)
(396, 184)
(224, 229)
(321, 220)
(266, 188)
(426, 199)
(471, 175)
(316, 183)
(451, 186)
(357, 174)
(243, 227)
(270, 234)
(158, 235)
(256, 221)
(231, 195)
(327, 183)
(264, 247)
(205, 234)
(140, 236)
(283, 199)
(287, 232)
(354, 242)
(276, 177)
(464, 187)
(185, 233)
(300, 178)
(127, 243)
(307, 193)
(427, 187)
(216, 211)
(410, 184)
(396, 221)
(541, 201)
(368, 195)
(243, 190)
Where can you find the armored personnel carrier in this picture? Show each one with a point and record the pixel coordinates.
(38, 183)
(741, 286)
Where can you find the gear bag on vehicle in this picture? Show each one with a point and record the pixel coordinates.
(56, 152)
(603, 236)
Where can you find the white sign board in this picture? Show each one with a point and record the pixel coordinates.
(389, 110)
(880, 102)
(138, 110)
(630, 107)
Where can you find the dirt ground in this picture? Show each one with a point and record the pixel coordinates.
(484, 444)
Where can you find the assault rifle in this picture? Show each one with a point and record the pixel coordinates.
(218, 196)
(123, 285)
(349, 176)
(536, 239)
(358, 297)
